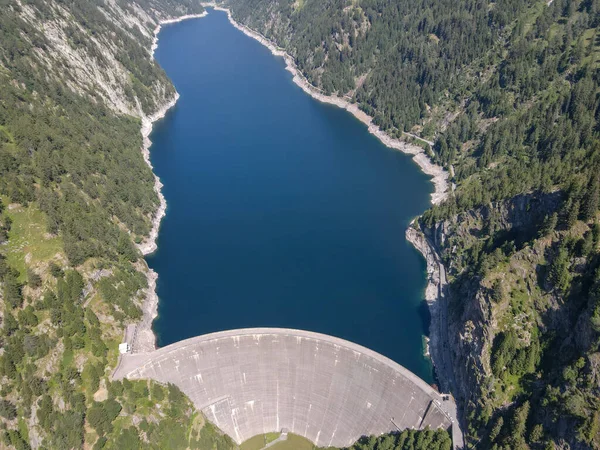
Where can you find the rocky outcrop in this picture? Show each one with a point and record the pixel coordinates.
(462, 327)
(435, 296)
(95, 52)
(91, 63)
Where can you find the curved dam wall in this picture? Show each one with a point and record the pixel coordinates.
(260, 380)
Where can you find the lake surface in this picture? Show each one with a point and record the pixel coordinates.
(282, 211)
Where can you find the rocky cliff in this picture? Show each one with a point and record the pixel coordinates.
(495, 314)
(103, 50)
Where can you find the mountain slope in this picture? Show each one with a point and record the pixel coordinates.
(76, 78)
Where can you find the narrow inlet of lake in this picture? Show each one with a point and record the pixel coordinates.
(282, 211)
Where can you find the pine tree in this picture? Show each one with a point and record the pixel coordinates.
(572, 215)
(591, 200)
(558, 273)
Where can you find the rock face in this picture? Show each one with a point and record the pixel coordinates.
(462, 326)
(331, 391)
(437, 302)
(95, 51)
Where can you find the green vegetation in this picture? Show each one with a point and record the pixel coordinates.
(509, 92)
(75, 193)
(114, 419)
(29, 239)
(406, 440)
(293, 442)
(259, 441)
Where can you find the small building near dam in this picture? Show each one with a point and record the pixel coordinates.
(259, 380)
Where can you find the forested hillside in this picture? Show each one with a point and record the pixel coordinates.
(75, 194)
(508, 90)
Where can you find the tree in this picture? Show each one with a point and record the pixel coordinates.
(27, 317)
(495, 432)
(75, 285)
(585, 245)
(126, 248)
(158, 394)
(7, 410)
(101, 415)
(33, 279)
(549, 225)
(559, 276)
(44, 412)
(10, 324)
(100, 443)
(497, 290)
(12, 291)
(518, 424)
(537, 432)
(572, 214)
(16, 440)
(129, 439)
(55, 270)
(591, 201)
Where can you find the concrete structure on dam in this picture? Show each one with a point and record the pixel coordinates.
(331, 391)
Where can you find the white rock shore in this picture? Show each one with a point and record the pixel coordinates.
(167, 21)
(142, 338)
(149, 244)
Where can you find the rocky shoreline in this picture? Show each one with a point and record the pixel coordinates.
(167, 21)
(143, 338)
(437, 302)
(436, 283)
(148, 245)
(437, 173)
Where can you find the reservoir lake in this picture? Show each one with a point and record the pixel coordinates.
(281, 211)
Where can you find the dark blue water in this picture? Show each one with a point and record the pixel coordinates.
(282, 211)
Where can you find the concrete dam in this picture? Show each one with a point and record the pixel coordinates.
(331, 391)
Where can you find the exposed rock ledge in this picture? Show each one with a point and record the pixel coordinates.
(437, 302)
(141, 337)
